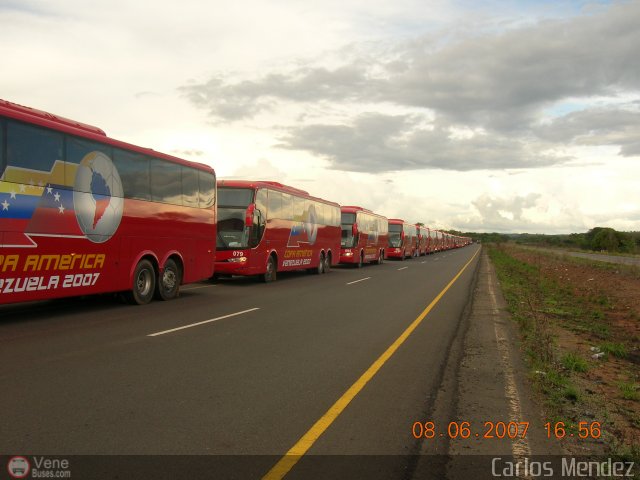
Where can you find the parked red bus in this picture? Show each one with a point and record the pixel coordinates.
(402, 239)
(266, 227)
(365, 236)
(81, 213)
(422, 241)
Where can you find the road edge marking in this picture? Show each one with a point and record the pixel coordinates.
(201, 323)
(302, 446)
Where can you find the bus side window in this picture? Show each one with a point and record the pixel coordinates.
(275, 205)
(207, 187)
(134, 173)
(190, 191)
(32, 148)
(261, 202)
(77, 150)
(166, 182)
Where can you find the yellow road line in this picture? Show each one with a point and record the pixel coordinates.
(295, 453)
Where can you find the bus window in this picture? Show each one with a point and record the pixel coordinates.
(207, 184)
(166, 182)
(32, 148)
(346, 223)
(189, 187)
(275, 205)
(261, 202)
(134, 173)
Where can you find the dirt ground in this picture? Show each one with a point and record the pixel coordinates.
(605, 323)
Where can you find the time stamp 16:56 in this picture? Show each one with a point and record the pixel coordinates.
(461, 429)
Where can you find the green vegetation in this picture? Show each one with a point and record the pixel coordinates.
(560, 319)
(629, 390)
(574, 363)
(597, 239)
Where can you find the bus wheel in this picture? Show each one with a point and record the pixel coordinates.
(320, 268)
(327, 263)
(270, 273)
(168, 285)
(144, 283)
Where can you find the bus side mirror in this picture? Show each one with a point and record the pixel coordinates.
(248, 219)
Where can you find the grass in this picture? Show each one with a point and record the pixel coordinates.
(629, 390)
(542, 301)
(574, 363)
(616, 349)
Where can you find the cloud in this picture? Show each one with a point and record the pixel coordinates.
(381, 143)
(597, 126)
(494, 83)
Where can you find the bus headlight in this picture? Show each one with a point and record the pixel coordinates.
(238, 259)
(348, 253)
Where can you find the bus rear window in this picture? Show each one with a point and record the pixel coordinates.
(348, 218)
(234, 197)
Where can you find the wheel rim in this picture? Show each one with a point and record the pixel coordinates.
(169, 279)
(143, 282)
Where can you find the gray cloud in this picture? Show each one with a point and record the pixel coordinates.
(597, 126)
(498, 82)
(378, 143)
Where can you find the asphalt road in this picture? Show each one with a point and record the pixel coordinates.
(86, 376)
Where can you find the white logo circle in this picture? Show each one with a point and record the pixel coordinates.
(18, 467)
(98, 197)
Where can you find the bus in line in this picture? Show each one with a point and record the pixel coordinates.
(422, 241)
(82, 213)
(265, 227)
(402, 239)
(364, 236)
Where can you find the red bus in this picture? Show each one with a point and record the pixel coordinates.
(81, 213)
(365, 236)
(402, 239)
(433, 241)
(267, 227)
(422, 241)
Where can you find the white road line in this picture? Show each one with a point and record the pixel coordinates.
(201, 323)
(403, 268)
(423, 262)
(356, 281)
(186, 289)
(519, 446)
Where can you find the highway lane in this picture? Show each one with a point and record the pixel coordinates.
(86, 378)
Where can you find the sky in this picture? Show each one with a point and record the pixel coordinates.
(475, 115)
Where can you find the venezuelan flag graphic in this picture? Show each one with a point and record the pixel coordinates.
(31, 206)
(298, 235)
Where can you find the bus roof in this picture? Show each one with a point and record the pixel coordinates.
(55, 122)
(253, 184)
(397, 220)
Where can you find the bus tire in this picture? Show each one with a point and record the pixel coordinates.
(270, 272)
(320, 268)
(327, 263)
(168, 284)
(144, 283)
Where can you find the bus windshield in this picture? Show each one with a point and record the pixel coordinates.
(346, 223)
(232, 208)
(395, 238)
